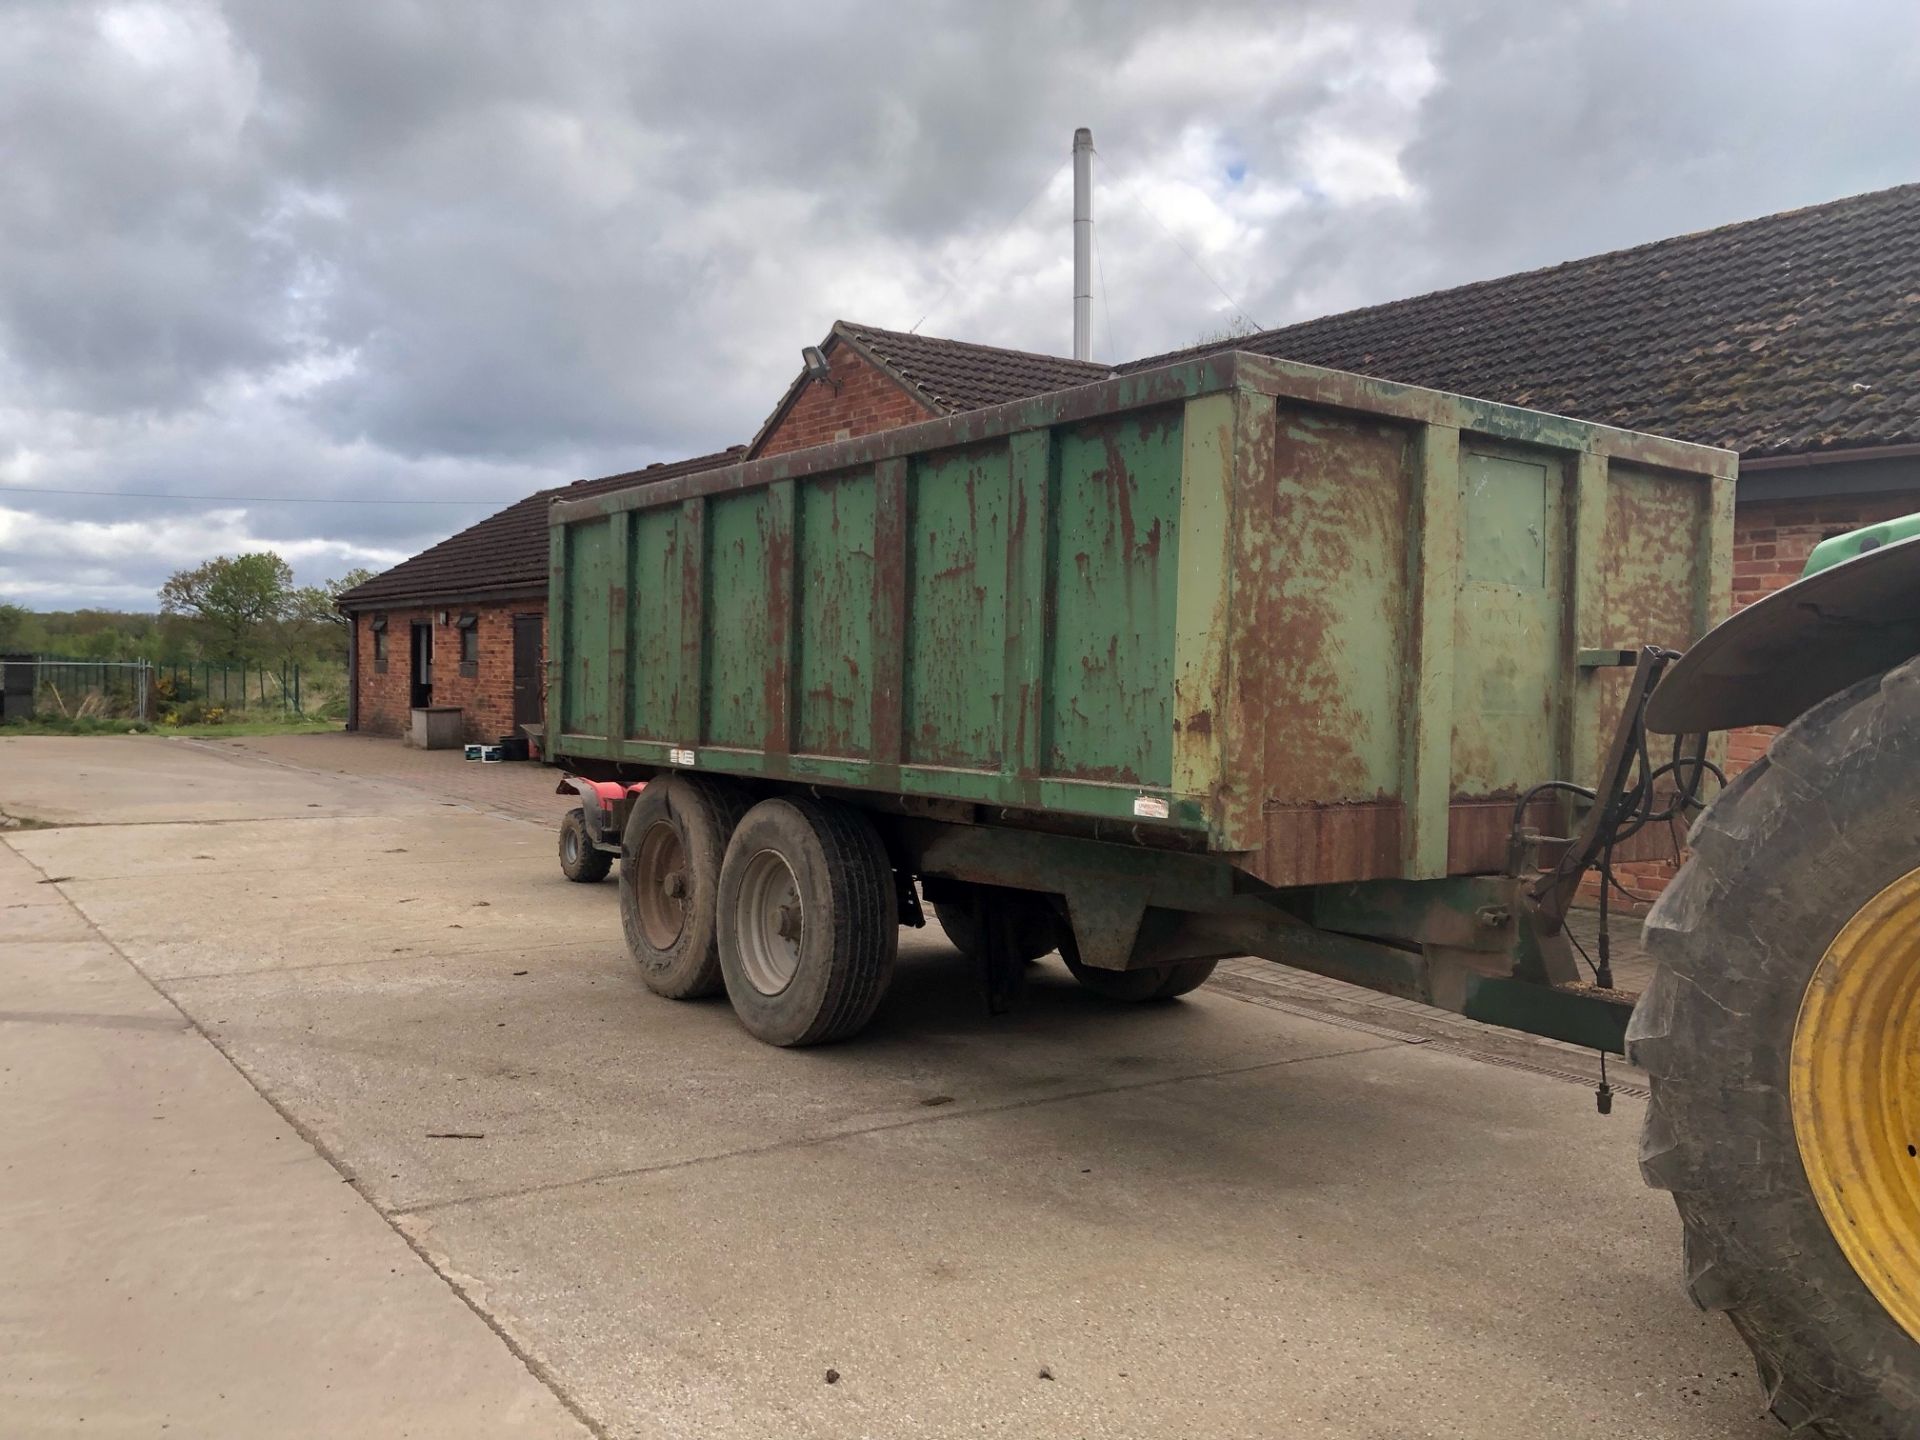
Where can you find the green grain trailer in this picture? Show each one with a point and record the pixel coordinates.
(1245, 657)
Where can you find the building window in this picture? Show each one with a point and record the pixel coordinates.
(469, 645)
(379, 644)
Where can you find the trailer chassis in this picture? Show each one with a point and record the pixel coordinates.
(1492, 948)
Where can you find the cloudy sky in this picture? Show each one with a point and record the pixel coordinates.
(344, 259)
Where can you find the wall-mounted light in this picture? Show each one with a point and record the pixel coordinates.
(818, 371)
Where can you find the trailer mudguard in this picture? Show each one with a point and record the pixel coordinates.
(1781, 656)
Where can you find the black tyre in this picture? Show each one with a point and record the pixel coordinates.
(1789, 1141)
(676, 837)
(1160, 982)
(809, 921)
(580, 862)
(1034, 927)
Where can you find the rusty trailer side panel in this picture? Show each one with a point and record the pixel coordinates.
(1326, 625)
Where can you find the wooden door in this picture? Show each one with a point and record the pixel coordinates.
(422, 656)
(528, 643)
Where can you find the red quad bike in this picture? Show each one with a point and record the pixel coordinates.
(590, 835)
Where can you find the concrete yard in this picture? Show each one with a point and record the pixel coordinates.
(327, 1107)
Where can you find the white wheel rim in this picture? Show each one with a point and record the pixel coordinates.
(769, 922)
(572, 842)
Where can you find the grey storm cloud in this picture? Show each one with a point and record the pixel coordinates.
(382, 250)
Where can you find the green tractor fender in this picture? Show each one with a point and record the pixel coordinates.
(1854, 612)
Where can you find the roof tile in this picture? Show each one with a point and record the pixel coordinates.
(507, 552)
(956, 375)
(1758, 336)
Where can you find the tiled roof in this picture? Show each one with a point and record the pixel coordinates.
(505, 554)
(955, 375)
(1794, 333)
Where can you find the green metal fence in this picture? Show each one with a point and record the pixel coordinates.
(235, 686)
(75, 688)
(79, 687)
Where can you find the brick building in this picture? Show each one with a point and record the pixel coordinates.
(464, 623)
(1793, 339)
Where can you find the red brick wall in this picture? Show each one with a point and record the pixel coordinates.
(865, 402)
(485, 698)
(1771, 542)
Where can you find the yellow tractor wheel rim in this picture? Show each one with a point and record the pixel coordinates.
(1856, 1095)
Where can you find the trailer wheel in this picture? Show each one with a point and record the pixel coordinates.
(580, 861)
(1157, 982)
(676, 836)
(1782, 1032)
(1034, 927)
(809, 921)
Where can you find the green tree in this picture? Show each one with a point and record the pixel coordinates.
(319, 604)
(1237, 328)
(20, 630)
(102, 645)
(238, 603)
(315, 626)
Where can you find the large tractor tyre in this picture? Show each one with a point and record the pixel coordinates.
(676, 837)
(580, 861)
(1159, 982)
(1035, 931)
(809, 921)
(1782, 1032)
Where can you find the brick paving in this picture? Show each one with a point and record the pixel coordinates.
(1632, 967)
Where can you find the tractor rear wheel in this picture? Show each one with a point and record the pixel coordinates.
(1782, 1033)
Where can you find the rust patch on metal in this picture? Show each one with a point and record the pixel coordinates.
(889, 619)
(688, 693)
(1330, 844)
(777, 538)
(1107, 774)
(1338, 503)
(1480, 829)
(1119, 482)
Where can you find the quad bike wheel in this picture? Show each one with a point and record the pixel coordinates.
(580, 860)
